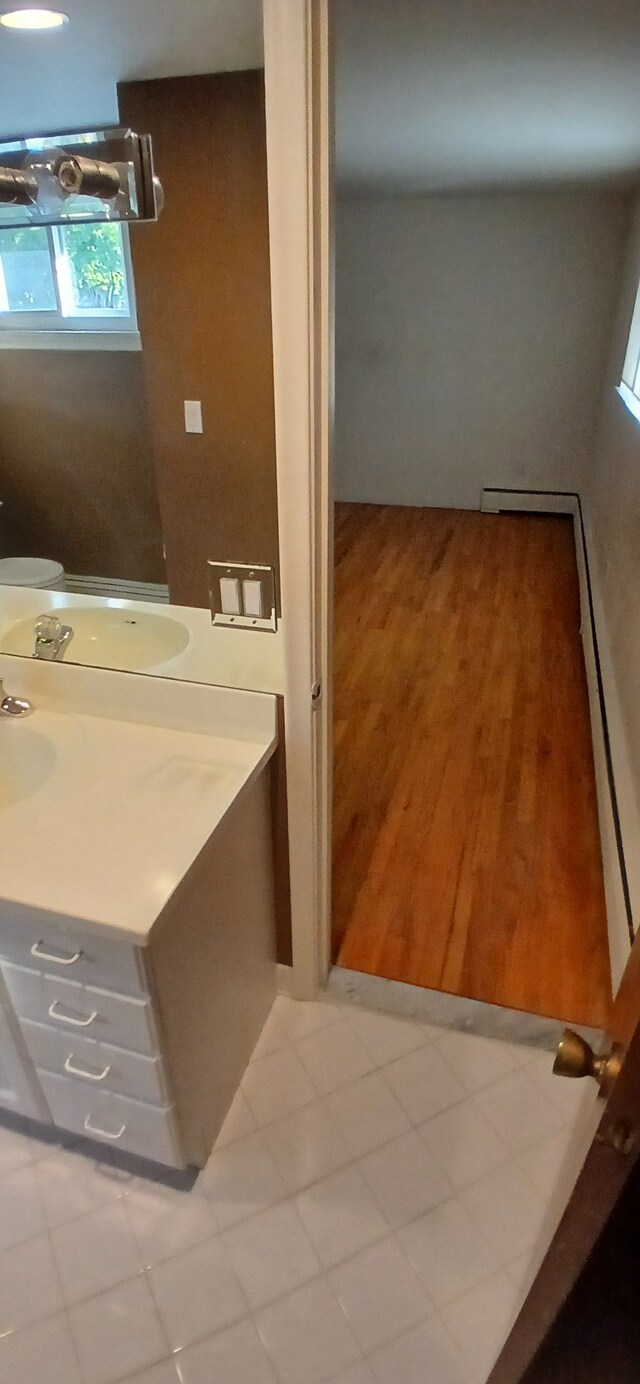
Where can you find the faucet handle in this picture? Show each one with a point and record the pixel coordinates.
(14, 706)
(47, 627)
(51, 637)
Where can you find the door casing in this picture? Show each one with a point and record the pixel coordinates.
(299, 160)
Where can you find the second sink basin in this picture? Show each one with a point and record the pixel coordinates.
(107, 637)
(27, 760)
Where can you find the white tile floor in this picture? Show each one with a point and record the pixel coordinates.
(365, 1218)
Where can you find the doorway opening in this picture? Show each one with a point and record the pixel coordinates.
(479, 275)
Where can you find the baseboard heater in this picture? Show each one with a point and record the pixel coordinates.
(499, 501)
(613, 807)
(118, 588)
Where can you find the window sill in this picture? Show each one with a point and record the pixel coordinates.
(69, 341)
(629, 400)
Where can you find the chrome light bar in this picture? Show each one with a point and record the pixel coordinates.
(101, 175)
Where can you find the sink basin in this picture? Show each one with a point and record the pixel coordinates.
(27, 760)
(107, 637)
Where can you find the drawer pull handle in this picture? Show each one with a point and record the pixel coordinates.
(68, 1018)
(103, 1133)
(79, 1071)
(41, 955)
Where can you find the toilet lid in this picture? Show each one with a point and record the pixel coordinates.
(29, 571)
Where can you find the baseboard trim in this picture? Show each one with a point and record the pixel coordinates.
(617, 810)
(493, 501)
(624, 791)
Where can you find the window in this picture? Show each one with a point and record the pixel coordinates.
(66, 280)
(629, 387)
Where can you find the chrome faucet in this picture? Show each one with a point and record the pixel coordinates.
(51, 637)
(14, 706)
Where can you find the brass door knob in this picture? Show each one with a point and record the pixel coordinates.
(575, 1058)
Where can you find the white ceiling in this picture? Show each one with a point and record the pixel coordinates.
(67, 78)
(430, 94)
(442, 94)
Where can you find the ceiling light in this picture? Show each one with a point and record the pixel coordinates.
(33, 19)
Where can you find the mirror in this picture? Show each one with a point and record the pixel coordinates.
(137, 441)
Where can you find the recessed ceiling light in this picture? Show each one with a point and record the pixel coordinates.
(33, 19)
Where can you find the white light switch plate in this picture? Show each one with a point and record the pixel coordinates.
(252, 598)
(230, 596)
(242, 595)
(193, 416)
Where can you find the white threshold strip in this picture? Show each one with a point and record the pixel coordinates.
(617, 808)
(109, 588)
(416, 1002)
(456, 1012)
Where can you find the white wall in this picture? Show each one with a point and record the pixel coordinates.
(613, 508)
(472, 336)
(454, 94)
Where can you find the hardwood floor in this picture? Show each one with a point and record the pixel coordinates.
(466, 853)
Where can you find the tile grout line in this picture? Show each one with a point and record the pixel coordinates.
(513, 1159)
(436, 1316)
(354, 1159)
(175, 1350)
(251, 1313)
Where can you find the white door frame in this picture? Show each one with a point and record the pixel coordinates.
(299, 161)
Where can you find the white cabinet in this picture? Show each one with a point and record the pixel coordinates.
(90, 1056)
(142, 1048)
(19, 1088)
(86, 1010)
(146, 1130)
(94, 1063)
(47, 944)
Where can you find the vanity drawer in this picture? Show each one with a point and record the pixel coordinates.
(57, 950)
(82, 1009)
(95, 1064)
(147, 1130)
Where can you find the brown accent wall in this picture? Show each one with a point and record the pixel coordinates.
(76, 473)
(204, 310)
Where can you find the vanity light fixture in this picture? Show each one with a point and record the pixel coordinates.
(63, 175)
(96, 175)
(33, 19)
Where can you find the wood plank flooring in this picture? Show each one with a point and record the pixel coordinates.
(466, 854)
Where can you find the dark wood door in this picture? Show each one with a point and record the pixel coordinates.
(596, 1338)
(605, 1149)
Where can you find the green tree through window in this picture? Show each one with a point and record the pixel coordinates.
(61, 277)
(97, 266)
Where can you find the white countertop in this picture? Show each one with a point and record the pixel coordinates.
(251, 660)
(145, 770)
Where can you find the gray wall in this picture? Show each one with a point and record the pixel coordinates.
(613, 507)
(472, 335)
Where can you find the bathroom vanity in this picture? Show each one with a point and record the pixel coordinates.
(142, 636)
(136, 904)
